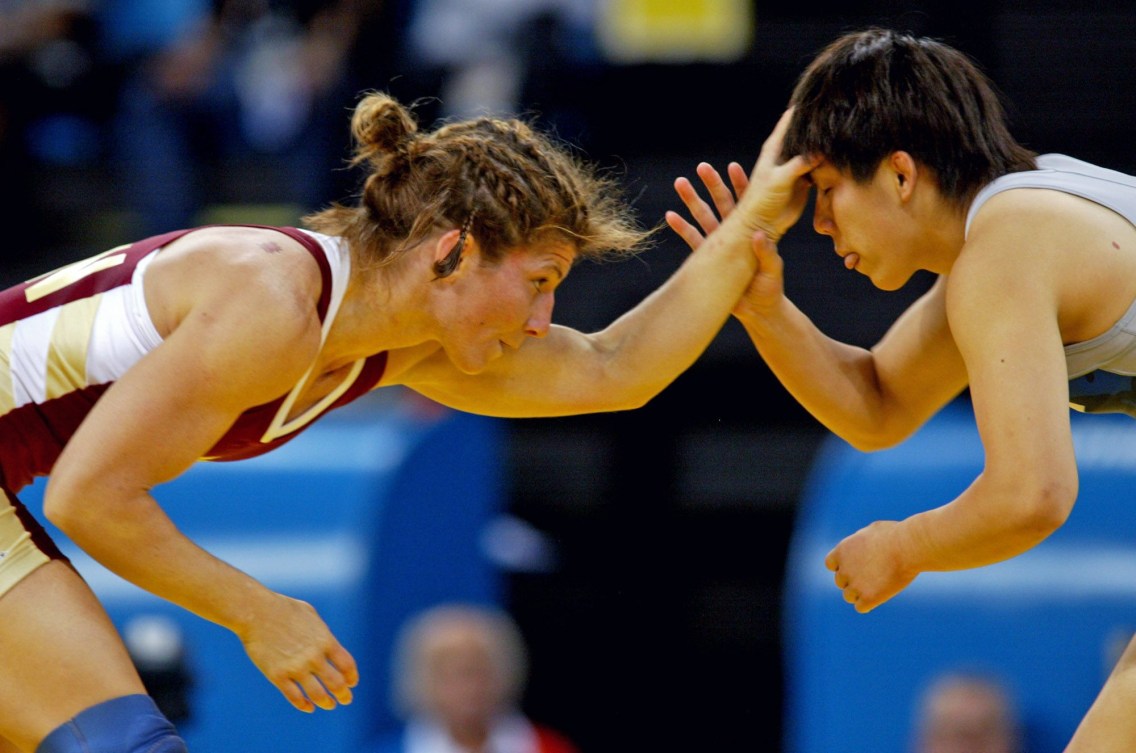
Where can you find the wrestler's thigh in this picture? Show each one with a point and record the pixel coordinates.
(61, 654)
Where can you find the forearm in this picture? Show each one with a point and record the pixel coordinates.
(987, 523)
(134, 539)
(645, 349)
(833, 381)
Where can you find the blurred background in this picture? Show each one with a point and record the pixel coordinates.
(644, 555)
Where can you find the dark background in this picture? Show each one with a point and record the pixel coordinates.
(658, 625)
(661, 630)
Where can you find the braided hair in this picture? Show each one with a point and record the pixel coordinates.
(501, 180)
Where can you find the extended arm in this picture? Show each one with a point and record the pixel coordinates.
(627, 363)
(872, 398)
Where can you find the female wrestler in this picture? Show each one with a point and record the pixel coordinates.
(1036, 265)
(118, 372)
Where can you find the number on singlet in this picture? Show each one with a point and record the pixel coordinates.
(72, 273)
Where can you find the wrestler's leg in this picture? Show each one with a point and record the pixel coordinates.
(1110, 725)
(7, 747)
(61, 654)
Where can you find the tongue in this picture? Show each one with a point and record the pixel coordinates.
(851, 260)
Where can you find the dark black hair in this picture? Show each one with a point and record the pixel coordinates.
(877, 91)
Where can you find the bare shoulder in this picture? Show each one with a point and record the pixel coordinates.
(1033, 218)
(248, 291)
(256, 269)
(1073, 253)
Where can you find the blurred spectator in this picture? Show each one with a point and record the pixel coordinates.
(459, 672)
(157, 647)
(51, 101)
(496, 56)
(260, 84)
(967, 713)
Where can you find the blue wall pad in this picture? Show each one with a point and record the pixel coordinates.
(1051, 622)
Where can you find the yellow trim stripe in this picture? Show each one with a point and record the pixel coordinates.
(66, 368)
(64, 276)
(7, 400)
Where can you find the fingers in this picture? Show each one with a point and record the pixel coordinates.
(316, 693)
(738, 178)
(799, 165)
(295, 695)
(771, 148)
(325, 685)
(699, 209)
(848, 592)
(831, 562)
(345, 663)
(684, 230)
(722, 195)
(793, 168)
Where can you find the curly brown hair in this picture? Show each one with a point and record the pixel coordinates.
(501, 180)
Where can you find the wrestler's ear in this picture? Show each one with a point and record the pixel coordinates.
(448, 251)
(905, 173)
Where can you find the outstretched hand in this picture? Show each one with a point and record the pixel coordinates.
(771, 198)
(767, 286)
(768, 202)
(700, 210)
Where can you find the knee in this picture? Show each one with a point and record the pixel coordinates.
(129, 724)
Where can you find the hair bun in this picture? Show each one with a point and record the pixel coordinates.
(381, 127)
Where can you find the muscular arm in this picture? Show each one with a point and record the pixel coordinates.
(870, 398)
(621, 367)
(164, 414)
(1005, 322)
(633, 359)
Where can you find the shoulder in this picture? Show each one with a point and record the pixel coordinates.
(257, 269)
(1018, 208)
(1038, 227)
(236, 248)
(242, 290)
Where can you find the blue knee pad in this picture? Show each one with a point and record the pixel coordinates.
(130, 724)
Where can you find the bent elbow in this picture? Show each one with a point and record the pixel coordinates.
(62, 508)
(1048, 507)
(58, 511)
(873, 442)
(878, 437)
